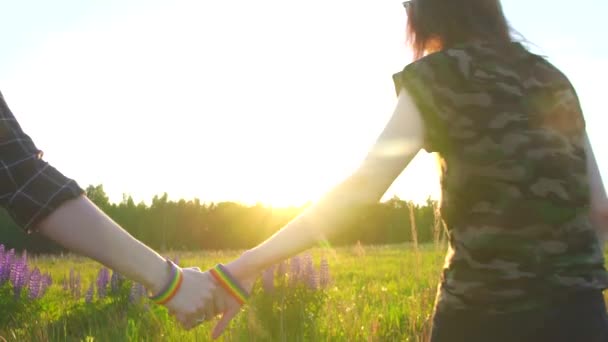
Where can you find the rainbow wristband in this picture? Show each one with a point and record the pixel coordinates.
(171, 289)
(231, 285)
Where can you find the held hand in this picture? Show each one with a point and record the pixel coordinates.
(244, 274)
(194, 301)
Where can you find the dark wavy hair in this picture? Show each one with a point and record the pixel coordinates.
(439, 24)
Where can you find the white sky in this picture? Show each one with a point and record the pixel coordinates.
(269, 100)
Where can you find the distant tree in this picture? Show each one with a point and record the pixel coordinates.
(195, 225)
(97, 195)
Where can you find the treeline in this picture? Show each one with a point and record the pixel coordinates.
(193, 225)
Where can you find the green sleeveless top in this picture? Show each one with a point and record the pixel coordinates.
(509, 131)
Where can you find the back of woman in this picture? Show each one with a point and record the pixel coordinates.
(510, 133)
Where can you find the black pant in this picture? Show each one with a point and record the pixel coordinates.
(580, 317)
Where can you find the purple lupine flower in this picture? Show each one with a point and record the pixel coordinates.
(6, 269)
(77, 287)
(268, 279)
(133, 293)
(88, 297)
(34, 285)
(115, 282)
(324, 276)
(137, 291)
(19, 274)
(2, 262)
(72, 278)
(305, 265)
(14, 271)
(74, 285)
(103, 277)
(45, 283)
(294, 269)
(65, 284)
(314, 281)
(282, 269)
(308, 274)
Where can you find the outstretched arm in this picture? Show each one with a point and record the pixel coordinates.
(81, 227)
(40, 198)
(397, 145)
(401, 140)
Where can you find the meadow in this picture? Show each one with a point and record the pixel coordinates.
(358, 293)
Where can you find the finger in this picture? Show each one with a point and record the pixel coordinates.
(184, 321)
(220, 304)
(209, 314)
(225, 321)
(206, 310)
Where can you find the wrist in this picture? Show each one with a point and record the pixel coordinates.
(158, 278)
(246, 266)
(171, 287)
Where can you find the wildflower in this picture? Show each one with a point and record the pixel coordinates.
(102, 282)
(282, 269)
(88, 297)
(137, 291)
(65, 284)
(34, 284)
(19, 274)
(324, 276)
(294, 269)
(115, 282)
(45, 282)
(308, 274)
(74, 283)
(268, 279)
(5, 270)
(2, 252)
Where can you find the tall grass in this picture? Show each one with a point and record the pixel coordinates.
(382, 293)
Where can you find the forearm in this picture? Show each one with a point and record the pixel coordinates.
(319, 222)
(81, 227)
(397, 145)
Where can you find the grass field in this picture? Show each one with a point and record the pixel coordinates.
(375, 294)
(383, 293)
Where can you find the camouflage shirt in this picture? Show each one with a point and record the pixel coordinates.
(509, 131)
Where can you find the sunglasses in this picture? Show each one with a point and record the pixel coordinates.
(408, 5)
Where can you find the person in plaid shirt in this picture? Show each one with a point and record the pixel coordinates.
(42, 199)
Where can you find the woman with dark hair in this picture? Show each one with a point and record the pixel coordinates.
(522, 196)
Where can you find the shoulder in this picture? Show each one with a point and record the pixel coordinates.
(447, 68)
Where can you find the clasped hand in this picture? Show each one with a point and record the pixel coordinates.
(201, 299)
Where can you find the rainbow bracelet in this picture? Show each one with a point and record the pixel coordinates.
(231, 285)
(171, 289)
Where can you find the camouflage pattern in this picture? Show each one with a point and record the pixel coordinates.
(508, 129)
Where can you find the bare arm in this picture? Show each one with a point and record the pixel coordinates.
(599, 200)
(81, 227)
(398, 144)
(401, 140)
(40, 198)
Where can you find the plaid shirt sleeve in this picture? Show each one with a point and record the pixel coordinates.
(30, 189)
